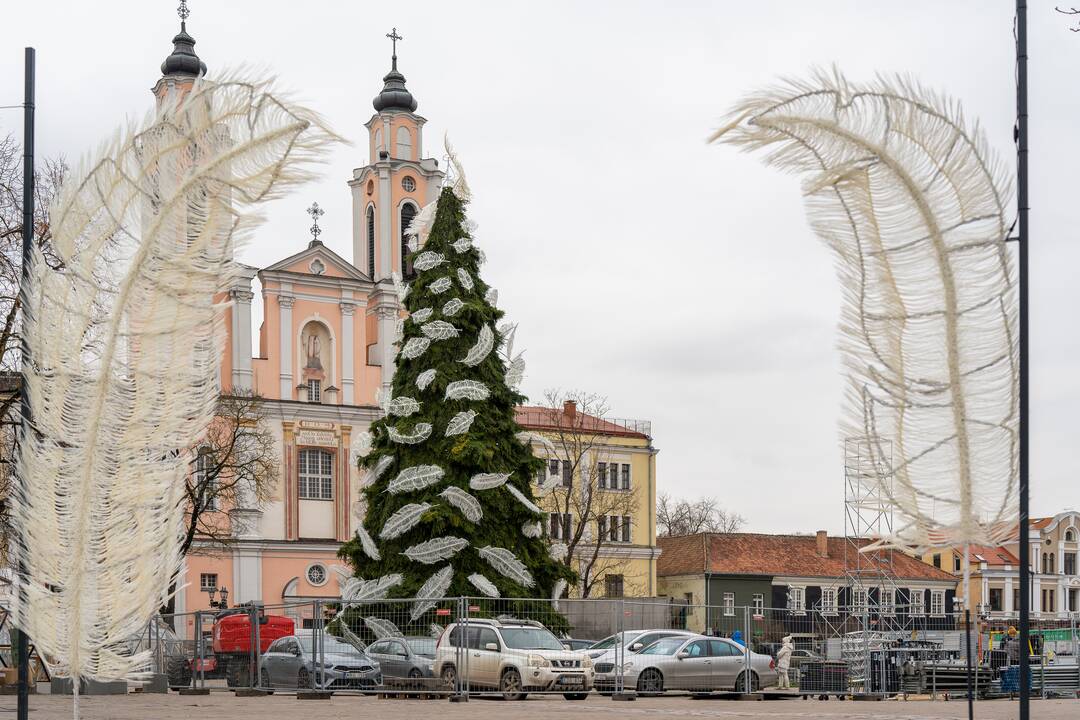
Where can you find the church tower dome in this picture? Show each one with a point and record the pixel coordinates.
(394, 95)
(183, 60)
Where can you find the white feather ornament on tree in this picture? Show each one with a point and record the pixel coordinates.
(467, 390)
(460, 423)
(532, 529)
(463, 501)
(424, 379)
(452, 307)
(526, 438)
(381, 466)
(370, 590)
(915, 206)
(487, 481)
(465, 279)
(557, 593)
(506, 563)
(491, 297)
(420, 227)
(522, 499)
(420, 433)
(459, 186)
(432, 551)
(440, 286)
(123, 338)
(439, 330)
(422, 315)
(435, 630)
(434, 589)
(484, 343)
(558, 551)
(361, 445)
(515, 373)
(428, 260)
(402, 407)
(403, 520)
(417, 477)
(370, 548)
(383, 628)
(462, 245)
(401, 288)
(484, 585)
(415, 347)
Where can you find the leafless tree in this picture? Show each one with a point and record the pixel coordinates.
(685, 517)
(580, 442)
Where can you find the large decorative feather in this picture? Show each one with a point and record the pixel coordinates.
(463, 501)
(432, 551)
(403, 520)
(913, 202)
(506, 563)
(433, 589)
(124, 339)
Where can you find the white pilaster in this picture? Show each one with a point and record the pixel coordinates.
(285, 326)
(387, 318)
(241, 339)
(348, 310)
(1036, 595)
(247, 575)
(1008, 606)
(385, 212)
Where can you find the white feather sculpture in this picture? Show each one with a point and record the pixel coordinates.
(415, 347)
(402, 406)
(124, 338)
(465, 279)
(403, 520)
(369, 590)
(416, 477)
(484, 585)
(506, 563)
(425, 378)
(420, 433)
(383, 628)
(432, 551)
(462, 245)
(522, 499)
(460, 423)
(422, 315)
(428, 260)
(487, 481)
(439, 330)
(433, 589)
(914, 204)
(366, 541)
(381, 467)
(420, 227)
(467, 390)
(452, 307)
(463, 501)
(441, 285)
(484, 343)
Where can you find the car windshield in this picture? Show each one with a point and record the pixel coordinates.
(422, 646)
(667, 646)
(330, 645)
(611, 640)
(530, 639)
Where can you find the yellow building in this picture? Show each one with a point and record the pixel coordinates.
(598, 488)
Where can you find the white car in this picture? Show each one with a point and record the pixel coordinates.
(697, 663)
(614, 649)
(513, 657)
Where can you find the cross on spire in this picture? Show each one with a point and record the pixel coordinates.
(183, 11)
(394, 37)
(315, 212)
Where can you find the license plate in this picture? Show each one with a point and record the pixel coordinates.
(572, 680)
(353, 675)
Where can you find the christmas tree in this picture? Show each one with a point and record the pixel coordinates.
(449, 504)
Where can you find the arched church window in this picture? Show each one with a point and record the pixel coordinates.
(408, 212)
(404, 144)
(316, 481)
(371, 241)
(378, 144)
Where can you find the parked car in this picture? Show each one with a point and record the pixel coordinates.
(292, 662)
(513, 657)
(606, 654)
(699, 664)
(577, 644)
(405, 657)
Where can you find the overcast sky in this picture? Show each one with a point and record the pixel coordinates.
(678, 279)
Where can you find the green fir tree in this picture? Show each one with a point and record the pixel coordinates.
(450, 510)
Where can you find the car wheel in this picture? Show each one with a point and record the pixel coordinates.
(510, 685)
(741, 685)
(303, 679)
(449, 677)
(576, 696)
(264, 681)
(650, 682)
(178, 672)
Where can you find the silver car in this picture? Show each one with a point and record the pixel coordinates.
(293, 662)
(607, 653)
(699, 664)
(411, 657)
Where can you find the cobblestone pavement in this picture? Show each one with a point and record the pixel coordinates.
(287, 707)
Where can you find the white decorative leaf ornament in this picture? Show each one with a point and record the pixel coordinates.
(434, 589)
(440, 286)
(515, 373)
(424, 379)
(380, 467)
(506, 563)
(487, 481)
(462, 245)
(558, 551)
(401, 288)
(484, 585)
(399, 330)
(484, 343)
(402, 406)
(460, 423)
(403, 520)
(422, 315)
(428, 260)
(419, 434)
(557, 593)
(368, 545)
(417, 477)
(452, 307)
(532, 529)
(355, 590)
(415, 347)
(382, 628)
(526, 437)
(361, 445)
(465, 278)
(491, 297)
(463, 501)
(439, 330)
(523, 500)
(467, 390)
(434, 550)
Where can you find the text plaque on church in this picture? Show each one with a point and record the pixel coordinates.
(324, 438)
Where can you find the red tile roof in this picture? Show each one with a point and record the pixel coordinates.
(998, 556)
(533, 417)
(772, 555)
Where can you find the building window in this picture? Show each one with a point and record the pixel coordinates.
(1016, 600)
(371, 241)
(1070, 535)
(613, 586)
(759, 604)
(828, 601)
(316, 574)
(208, 582)
(937, 602)
(613, 528)
(559, 526)
(316, 475)
(378, 144)
(541, 475)
(408, 184)
(208, 486)
(404, 144)
(601, 526)
(314, 391)
(626, 476)
(1069, 563)
(937, 560)
(567, 473)
(729, 604)
(1047, 600)
(858, 599)
(797, 599)
(553, 468)
(957, 564)
(601, 475)
(1052, 563)
(408, 212)
(917, 601)
(626, 528)
(1074, 600)
(888, 601)
(997, 600)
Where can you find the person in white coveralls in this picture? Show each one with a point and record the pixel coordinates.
(783, 661)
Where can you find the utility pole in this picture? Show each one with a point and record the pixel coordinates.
(1022, 218)
(22, 648)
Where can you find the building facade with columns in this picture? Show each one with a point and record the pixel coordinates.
(324, 349)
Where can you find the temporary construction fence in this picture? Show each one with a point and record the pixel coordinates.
(512, 647)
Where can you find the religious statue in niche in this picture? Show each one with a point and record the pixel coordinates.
(313, 347)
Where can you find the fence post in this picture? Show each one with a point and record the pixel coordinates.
(256, 671)
(748, 684)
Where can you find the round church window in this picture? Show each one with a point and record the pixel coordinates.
(316, 574)
(408, 183)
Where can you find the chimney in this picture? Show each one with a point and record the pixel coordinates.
(823, 543)
(569, 408)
